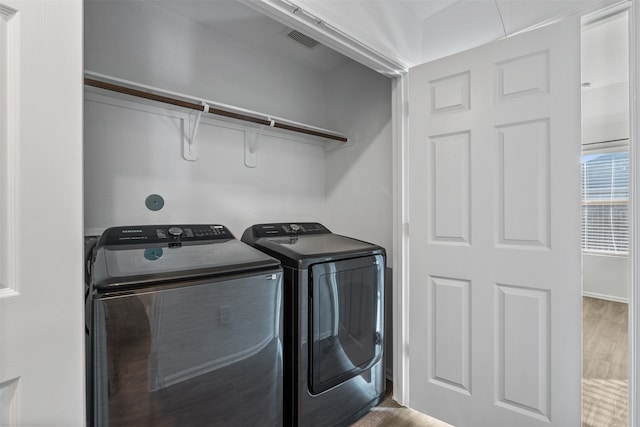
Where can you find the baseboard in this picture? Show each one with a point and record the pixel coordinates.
(605, 297)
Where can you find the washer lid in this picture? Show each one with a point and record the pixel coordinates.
(319, 247)
(129, 265)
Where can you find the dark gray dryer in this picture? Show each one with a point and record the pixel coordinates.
(184, 329)
(333, 321)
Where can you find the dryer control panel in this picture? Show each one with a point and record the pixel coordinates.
(158, 234)
(289, 229)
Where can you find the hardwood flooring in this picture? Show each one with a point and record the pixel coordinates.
(604, 363)
(390, 413)
(604, 384)
(604, 339)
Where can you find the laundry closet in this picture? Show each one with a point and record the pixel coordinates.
(290, 131)
(239, 173)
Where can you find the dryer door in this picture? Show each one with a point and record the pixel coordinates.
(345, 319)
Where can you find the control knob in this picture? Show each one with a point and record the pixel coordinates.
(175, 231)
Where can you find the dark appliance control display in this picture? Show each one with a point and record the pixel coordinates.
(158, 234)
(289, 229)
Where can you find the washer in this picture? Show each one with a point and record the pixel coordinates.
(184, 329)
(333, 321)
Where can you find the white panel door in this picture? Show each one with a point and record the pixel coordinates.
(41, 284)
(494, 181)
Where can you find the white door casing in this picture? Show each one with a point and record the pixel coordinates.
(494, 249)
(41, 280)
(634, 221)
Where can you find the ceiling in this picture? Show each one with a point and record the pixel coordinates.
(390, 26)
(424, 9)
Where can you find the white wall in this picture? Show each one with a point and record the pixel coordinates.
(143, 42)
(130, 154)
(358, 178)
(605, 71)
(605, 277)
(605, 113)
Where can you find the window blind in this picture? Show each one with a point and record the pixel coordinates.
(605, 202)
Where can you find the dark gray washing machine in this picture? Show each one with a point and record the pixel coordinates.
(184, 329)
(333, 321)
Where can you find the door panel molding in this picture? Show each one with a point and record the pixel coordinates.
(450, 94)
(522, 77)
(450, 219)
(523, 357)
(450, 355)
(523, 187)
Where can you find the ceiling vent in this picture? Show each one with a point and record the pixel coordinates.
(301, 38)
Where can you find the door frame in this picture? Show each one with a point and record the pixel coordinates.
(400, 262)
(633, 10)
(634, 194)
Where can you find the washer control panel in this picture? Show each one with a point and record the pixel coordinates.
(159, 234)
(289, 229)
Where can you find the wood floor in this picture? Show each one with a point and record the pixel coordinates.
(604, 339)
(604, 384)
(390, 413)
(604, 363)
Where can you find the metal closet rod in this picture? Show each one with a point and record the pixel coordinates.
(212, 110)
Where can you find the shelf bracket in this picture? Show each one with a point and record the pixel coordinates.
(251, 139)
(189, 146)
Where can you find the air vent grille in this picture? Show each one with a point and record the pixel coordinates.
(302, 39)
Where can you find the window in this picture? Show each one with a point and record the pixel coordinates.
(605, 202)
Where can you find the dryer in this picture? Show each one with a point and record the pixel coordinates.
(184, 329)
(333, 321)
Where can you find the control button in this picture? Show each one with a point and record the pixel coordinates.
(175, 231)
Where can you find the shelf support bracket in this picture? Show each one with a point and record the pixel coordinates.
(251, 139)
(189, 146)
